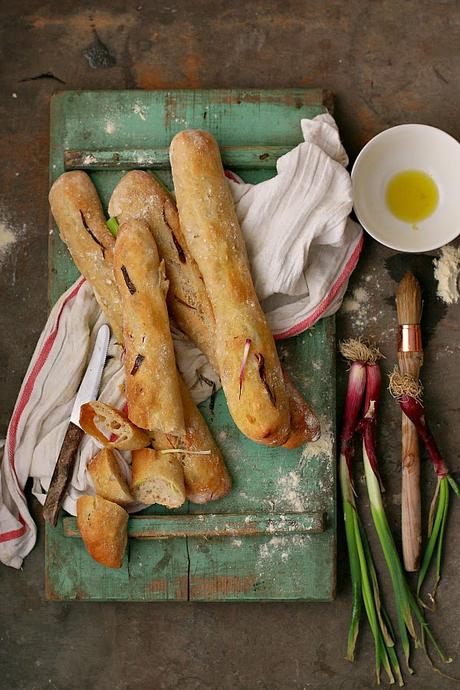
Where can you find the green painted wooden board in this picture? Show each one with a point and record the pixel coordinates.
(274, 536)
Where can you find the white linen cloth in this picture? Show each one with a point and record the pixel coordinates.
(302, 248)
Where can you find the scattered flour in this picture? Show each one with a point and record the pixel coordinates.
(237, 543)
(447, 273)
(110, 127)
(357, 306)
(281, 547)
(289, 492)
(323, 446)
(7, 240)
(88, 159)
(140, 110)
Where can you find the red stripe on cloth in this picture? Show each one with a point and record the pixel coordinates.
(14, 533)
(321, 308)
(231, 176)
(25, 397)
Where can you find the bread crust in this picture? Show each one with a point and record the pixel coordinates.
(108, 479)
(103, 527)
(254, 386)
(96, 414)
(206, 476)
(305, 425)
(78, 213)
(140, 196)
(157, 478)
(152, 385)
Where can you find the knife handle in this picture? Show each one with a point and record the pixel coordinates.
(62, 473)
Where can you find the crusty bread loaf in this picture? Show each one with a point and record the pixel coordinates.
(245, 350)
(108, 479)
(152, 385)
(157, 478)
(78, 213)
(305, 426)
(206, 476)
(111, 427)
(103, 527)
(139, 195)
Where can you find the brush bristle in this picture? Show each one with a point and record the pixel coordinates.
(409, 300)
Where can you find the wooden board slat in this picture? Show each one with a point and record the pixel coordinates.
(211, 525)
(267, 482)
(234, 157)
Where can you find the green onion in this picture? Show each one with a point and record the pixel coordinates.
(113, 226)
(365, 588)
(408, 391)
(406, 605)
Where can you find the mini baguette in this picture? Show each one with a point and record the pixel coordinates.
(78, 213)
(103, 527)
(97, 417)
(140, 196)
(157, 478)
(245, 350)
(152, 385)
(206, 476)
(305, 426)
(108, 479)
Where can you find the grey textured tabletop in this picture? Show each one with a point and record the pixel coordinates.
(387, 62)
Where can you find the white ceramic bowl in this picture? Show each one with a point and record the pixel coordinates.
(408, 147)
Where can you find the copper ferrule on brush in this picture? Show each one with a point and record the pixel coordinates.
(410, 338)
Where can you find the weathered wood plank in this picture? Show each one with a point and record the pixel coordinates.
(267, 482)
(212, 525)
(241, 157)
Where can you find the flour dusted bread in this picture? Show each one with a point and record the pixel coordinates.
(157, 478)
(305, 426)
(140, 196)
(152, 385)
(78, 213)
(245, 350)
(111, 427)
(206, 475)
(103, 526)
(108, 479)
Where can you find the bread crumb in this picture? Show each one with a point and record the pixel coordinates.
(447, 273)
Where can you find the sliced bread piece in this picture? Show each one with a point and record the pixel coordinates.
(111, 427)
(157, 477)
(108, 479)
(103, 527)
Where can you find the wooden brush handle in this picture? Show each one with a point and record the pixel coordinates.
(411, 521)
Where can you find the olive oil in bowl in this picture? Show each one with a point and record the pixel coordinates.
(412, 196)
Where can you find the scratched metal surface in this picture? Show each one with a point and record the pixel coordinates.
(386, 62)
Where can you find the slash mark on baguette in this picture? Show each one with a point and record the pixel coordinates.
(129, 284)
(181, 301)
(180, 251)
(263, 377)
(91, 233)
(137, 363)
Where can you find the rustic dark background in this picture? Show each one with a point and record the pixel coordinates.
(388, 62)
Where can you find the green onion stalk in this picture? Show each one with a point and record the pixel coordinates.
(408, 391)
(112, 225)
(407, 607)
(365, 587)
